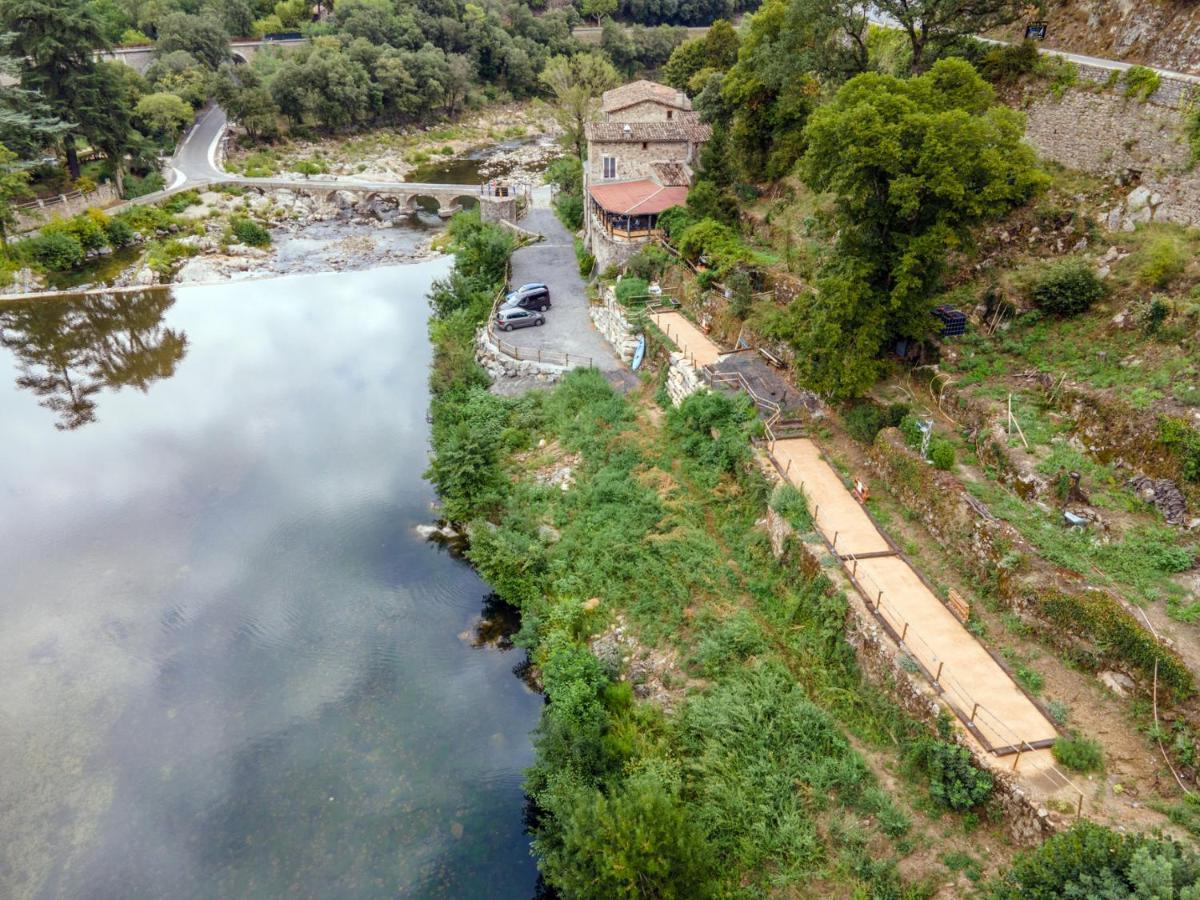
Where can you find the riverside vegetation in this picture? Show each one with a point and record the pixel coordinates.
(731, 746)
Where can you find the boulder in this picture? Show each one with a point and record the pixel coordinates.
(1139, 198)
(1117, 682)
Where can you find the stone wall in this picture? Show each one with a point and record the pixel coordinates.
(1096, 129)
(611, 321)
(634, 158)
(63, 207)
(608, 251)
(500, 366)
(683, 379)
(498, 209)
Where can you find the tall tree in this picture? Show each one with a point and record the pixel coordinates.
(577, 83)
(14, 181)
(933, 25)
(27, 124)
(58, 40)
(912, 164)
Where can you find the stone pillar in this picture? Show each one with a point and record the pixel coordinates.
(498, 209)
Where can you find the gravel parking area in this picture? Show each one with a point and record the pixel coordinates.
(568, 327)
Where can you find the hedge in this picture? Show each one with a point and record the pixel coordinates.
(1117, 634)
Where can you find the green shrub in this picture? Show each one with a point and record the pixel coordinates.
(570, 211)
(1162, 260)
(788, 501)
(1181, 438)
(587, 263)
(118, 233)
(1067, 288)
(715, 245)
(954, 781)
(163, 256)
(866, 419)
(638, 841)
(260, 165)
(910, 427)
(1079, 754)
(309, 167)
(648, 263)
(87, 228)
(140, 187)
(1140, 82)
(56, 250)
(249, 232)
(177, 203)
(941, 453)
(712, 428)
(631, 288)
(675, 221)
(1091, 860)
(1008, 62)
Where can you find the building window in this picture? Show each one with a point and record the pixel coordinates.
(669, 114)
(610, 166)
(644, 145)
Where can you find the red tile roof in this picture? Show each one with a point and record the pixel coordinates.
(687, 128)
(672, 174)
(637, 198)
(638, 91)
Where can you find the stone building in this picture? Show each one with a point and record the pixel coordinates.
(640, 161)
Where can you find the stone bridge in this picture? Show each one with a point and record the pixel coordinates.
(242, 51)
(445, 199)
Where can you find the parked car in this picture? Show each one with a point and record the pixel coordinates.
(529, 296)
(512, 317)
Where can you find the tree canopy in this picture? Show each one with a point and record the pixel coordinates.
(911, 164)
(577, 83)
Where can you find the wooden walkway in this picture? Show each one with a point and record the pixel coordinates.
(997, 713)
(691, 341)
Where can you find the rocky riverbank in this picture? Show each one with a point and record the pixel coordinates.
(310, 232)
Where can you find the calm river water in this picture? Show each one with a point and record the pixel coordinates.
(229, 666)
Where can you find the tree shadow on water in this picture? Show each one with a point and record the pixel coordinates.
(67, 351)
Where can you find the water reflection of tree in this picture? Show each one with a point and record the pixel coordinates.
(67, 351)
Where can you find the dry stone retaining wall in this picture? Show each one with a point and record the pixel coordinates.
(611, 321)
(683, 379)
(1141, 142)
(499, 366)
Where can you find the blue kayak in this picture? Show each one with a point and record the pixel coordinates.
(639, 352)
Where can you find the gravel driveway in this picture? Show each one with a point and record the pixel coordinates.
(568, 327)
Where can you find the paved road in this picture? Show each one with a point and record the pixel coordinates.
(568, 327)
(195, 157)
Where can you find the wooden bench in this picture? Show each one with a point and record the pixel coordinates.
(959, 606)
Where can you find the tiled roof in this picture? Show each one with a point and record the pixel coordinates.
(639, 91)
(637, 198)
(672, 174)
(689, 129)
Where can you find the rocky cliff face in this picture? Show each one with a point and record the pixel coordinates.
(1163, 34)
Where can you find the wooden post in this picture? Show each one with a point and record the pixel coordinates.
(904, 633)
(854, 572)
(539, 354)
(879, 598)
(788, 468)
(938, 677)
(974, 709)
(835, 537)
(1016, 759)
(1079, 808)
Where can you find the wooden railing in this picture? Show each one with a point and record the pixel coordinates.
(528, 354)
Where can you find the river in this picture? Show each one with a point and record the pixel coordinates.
(230, 666)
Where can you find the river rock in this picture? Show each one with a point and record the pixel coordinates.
(145, 275)
(344, 200)
(1164, 494)
(1117, 682)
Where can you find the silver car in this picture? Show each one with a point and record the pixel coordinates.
(512, 317)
